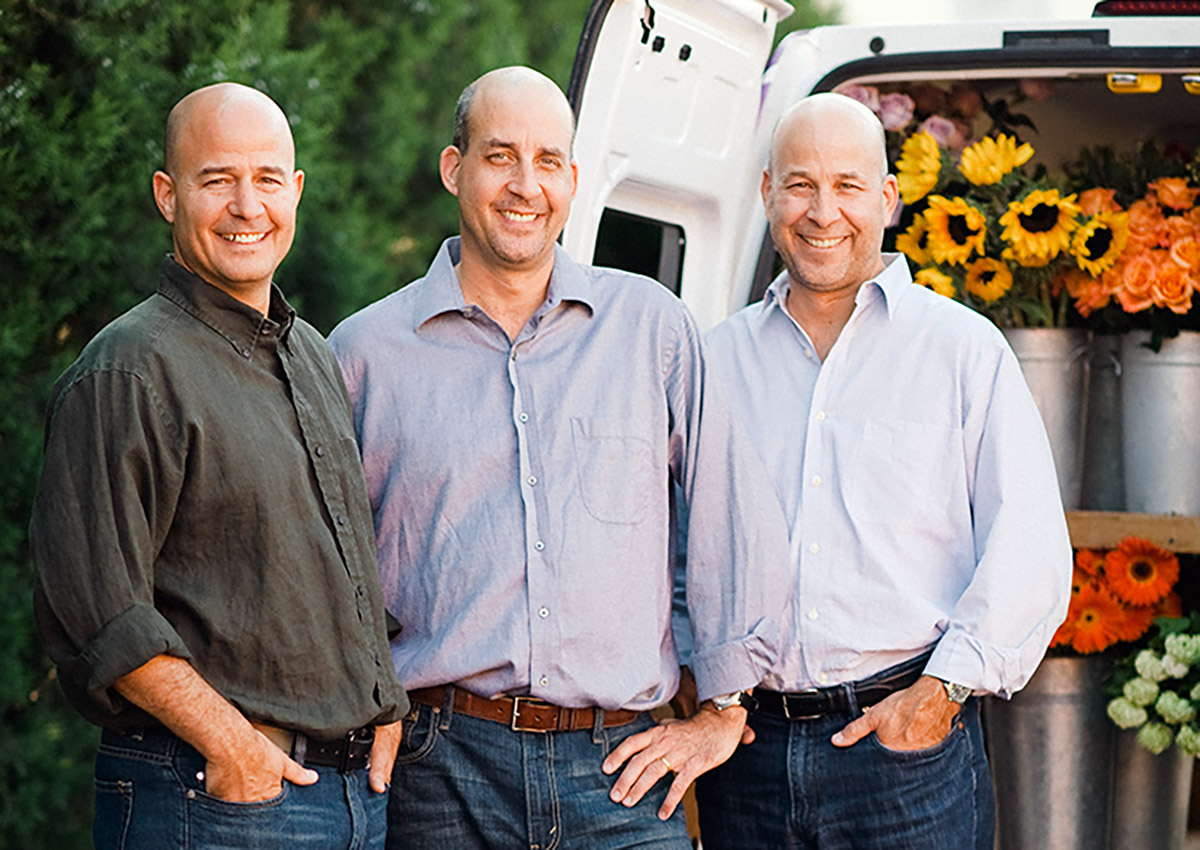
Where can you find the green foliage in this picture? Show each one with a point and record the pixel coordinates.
(85, 87)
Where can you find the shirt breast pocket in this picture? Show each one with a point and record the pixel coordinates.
(901, 473)
(614, 466)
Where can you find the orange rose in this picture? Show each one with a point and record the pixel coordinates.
(1186, 253)
(1136, 273)
(1145, 223)
(1173, 288)
(1178, 227)
(1090, 294)
(1097, 200)
(1174, 192)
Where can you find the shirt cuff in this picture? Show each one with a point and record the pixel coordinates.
(125, 643)
(982, 667)
(735, 666)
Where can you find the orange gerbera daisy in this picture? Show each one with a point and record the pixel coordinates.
(1097, 618)
(1089, 560)
(1170, 605)
(1137, 621)
(1139, 572)
(1064, 635)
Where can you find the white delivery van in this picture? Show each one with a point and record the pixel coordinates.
(676, 101)
(675, 111)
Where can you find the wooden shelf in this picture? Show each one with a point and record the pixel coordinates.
(1105, 529)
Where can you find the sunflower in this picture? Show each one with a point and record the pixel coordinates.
(956, 229)
(911, 243)
(933, 279)
(989, 279)
(1098, 243)
(918, 167)
(1141, 573)
(988, 160)
(1038, 226)
(1097, 619)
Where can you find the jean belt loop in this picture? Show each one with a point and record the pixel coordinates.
(851, 700)
(299, 748)
(447, 708)
(598, 725)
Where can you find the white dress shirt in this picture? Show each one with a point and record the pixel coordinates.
(915, 473)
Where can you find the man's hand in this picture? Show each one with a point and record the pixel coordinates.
(915, 718)
(254, 774)
(383, 756)
(685, 747)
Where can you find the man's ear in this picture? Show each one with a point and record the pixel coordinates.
(448, 165)
(164, 195)
(891, 196)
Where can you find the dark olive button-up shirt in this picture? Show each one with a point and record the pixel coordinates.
(202, 496)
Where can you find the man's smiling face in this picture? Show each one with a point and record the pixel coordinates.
(231, 192)
(827, 198)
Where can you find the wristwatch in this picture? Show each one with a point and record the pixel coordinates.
(956, 692)
(743, 698)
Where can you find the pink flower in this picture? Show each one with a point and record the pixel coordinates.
(895, 111)
(945, 132)
(1037, 88)
(964, 100)
(868, 96)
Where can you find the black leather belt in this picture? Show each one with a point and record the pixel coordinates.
(351, 752)
(820, 702)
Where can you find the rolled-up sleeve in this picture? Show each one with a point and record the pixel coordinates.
(738, 576)
(998, 631)
(109, 487)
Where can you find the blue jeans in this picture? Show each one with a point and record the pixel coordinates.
(462, 783)
(791, 788)
(149, 794)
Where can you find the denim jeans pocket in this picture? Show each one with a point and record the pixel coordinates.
(952, 739)
(114, 805)
(420, 735)
(234, 807)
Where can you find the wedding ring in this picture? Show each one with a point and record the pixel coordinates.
(663, 759)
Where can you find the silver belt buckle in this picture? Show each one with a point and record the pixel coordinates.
(515, 723)
(787, 712)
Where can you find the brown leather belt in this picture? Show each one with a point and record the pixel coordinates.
(522, 714)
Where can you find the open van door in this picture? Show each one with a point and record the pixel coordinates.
(667, 94)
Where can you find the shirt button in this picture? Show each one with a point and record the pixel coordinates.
(245, 352)
(341, 520)
(822, 678)
(820, 415)
(319, 451)
(543, 681)
(816, 481)
(524, 417)
(532, 480)
(814, 548)
(812, 615)
(543, 612)
(808, 354)
(539, 545)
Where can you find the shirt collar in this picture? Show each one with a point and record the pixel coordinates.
(890, 284)
(440, 291)
(240, 324)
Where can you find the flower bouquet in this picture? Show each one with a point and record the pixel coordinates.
(1117, 594)
(1156, 690)
(1153, 280)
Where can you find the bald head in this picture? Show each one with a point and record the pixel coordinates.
(223, 103)
(838, 118)
(515, 80)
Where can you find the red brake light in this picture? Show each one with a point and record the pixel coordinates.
(1109, 8)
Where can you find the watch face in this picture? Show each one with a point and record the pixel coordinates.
(957, 693)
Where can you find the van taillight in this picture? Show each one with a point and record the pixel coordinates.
(1109, 8)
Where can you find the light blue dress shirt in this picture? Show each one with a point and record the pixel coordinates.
(916, 477)
(521, 492)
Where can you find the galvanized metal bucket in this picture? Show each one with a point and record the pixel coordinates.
(1051, 752)
(1150, 796)
(1103, 462)
(1160, 402)
(1055, 364)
